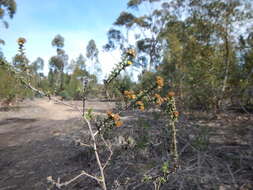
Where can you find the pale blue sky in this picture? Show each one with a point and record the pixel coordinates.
(77, 21)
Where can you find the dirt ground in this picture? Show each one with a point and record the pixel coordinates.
(37, 141)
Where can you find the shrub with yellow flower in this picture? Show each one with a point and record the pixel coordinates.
(115, 118)
(118, 123)
(129, 94)
(158, 99)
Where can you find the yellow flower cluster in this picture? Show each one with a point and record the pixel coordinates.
(130, 94)
(159, 82)
(115, 118)
(21, 41)
(171, 94)
(129, 62)
(176, 113)
(140, 105)
(131, 52)
(159, 100)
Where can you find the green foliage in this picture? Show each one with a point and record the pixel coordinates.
(58, 41)
(92, 54)
(116, 40)
(119, 85)
(146, 178)
(10, 88)
(57, 64)
(145, 78)
(89, 114)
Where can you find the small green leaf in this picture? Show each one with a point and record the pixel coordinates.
(89, 114)
(165, 168)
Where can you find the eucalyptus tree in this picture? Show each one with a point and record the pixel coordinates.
(147, 28)
(229, 19)
(92, 55)
(38, 65)
(243, 78)
(196, 40)
(57, 63)
(116, 40)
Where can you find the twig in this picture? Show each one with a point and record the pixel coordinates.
(59, 184)
(111, 152)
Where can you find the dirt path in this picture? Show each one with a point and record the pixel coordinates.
(55, 111)
(40, 119)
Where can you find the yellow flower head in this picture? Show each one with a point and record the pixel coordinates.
(21, 41)
(118, 123)
(159, 82)
(126, 92)
(133, 96)
(129, 62)
(159, 99)
(113, 116)
(171, 94)
(116, 117)
(139, 103)
(129, 94)
(110, 114)
(176, 113)
(131, 52)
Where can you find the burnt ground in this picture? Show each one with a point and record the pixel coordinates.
(37, 140)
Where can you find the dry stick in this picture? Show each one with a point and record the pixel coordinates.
(59, 185)
(100, 181)
(96, 154)
(174, 144)
(111, 153)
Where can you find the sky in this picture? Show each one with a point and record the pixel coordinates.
(77, 21)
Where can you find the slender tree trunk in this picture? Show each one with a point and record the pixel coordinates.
(227, 63)
(61, 79)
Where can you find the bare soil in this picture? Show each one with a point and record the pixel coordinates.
(37, 141)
